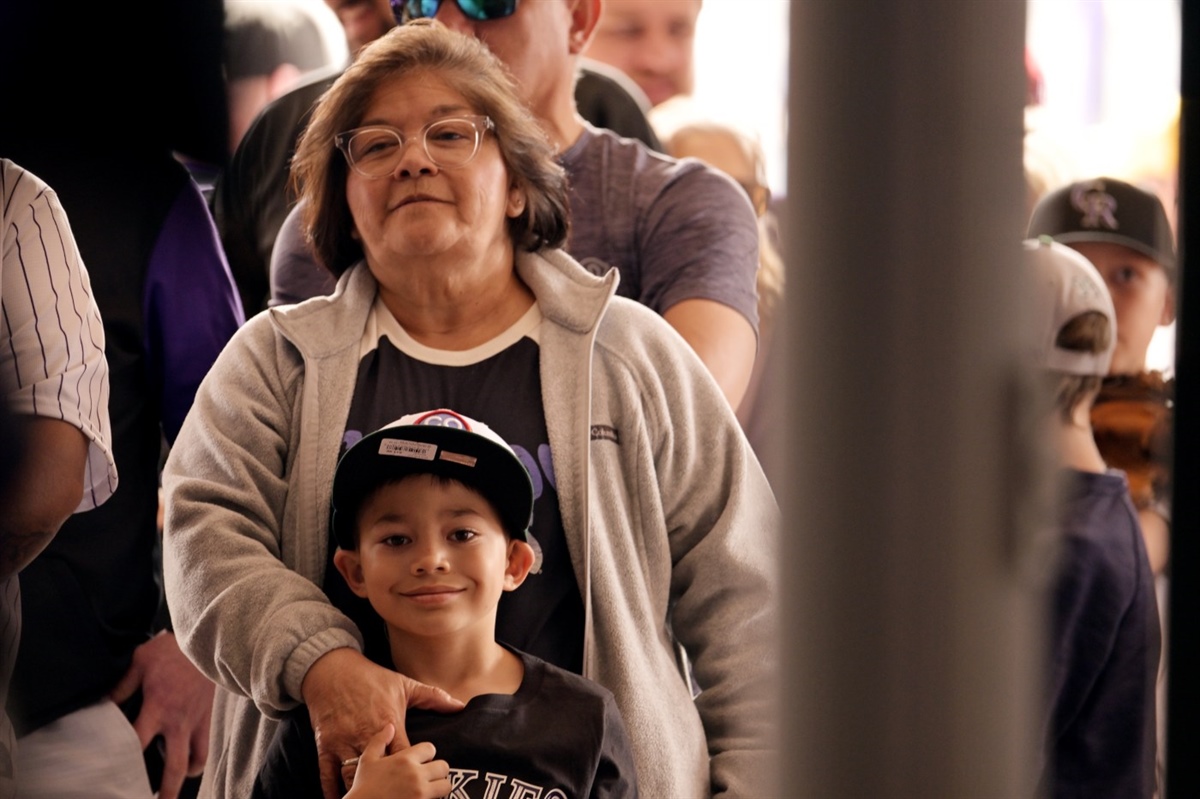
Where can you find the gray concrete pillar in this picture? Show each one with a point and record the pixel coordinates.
(911, 567)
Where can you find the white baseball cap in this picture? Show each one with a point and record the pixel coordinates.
(1065, 285)
(439, 442)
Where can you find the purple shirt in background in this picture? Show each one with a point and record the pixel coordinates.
(189, 305)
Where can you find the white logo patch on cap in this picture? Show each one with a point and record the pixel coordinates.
(1096, 205)
(1084, 288)
(402, 448)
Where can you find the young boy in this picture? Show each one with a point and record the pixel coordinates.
(1125, 233)
(1100, 720)
(431, 516)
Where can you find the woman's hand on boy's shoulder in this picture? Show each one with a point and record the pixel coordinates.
(410, 773)
(350, 700)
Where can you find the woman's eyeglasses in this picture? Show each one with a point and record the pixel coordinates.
(375, 151)
(481, 10)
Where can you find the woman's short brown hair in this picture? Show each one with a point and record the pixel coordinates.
(319, 171)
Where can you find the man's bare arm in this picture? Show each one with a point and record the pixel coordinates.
(47, 489)
(724, 340)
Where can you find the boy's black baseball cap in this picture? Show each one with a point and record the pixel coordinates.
(440, 442)
(1107, 210)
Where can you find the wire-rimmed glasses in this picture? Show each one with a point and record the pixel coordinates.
(374, 151)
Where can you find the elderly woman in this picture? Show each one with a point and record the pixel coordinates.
(442, 213)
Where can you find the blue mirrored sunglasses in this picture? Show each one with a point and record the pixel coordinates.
(481, 10)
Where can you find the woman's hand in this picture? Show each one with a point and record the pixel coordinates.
(350, 699)
(410, 773)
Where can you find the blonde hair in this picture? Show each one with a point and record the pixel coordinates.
(770, 276)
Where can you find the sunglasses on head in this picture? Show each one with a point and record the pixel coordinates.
(481, 10)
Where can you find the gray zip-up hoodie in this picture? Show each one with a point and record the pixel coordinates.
(670, 524)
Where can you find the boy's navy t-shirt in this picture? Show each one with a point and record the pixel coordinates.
(499, 384)
(1100, 719)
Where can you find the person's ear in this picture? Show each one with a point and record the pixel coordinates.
(520, 561)
(584, 16)
(281, 79)
(516, 202)
(1168, 313)
(350, 567)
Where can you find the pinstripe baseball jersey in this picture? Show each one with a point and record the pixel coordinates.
(51, 338)
(52, 364)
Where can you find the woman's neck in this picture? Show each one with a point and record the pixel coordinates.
(457, 309)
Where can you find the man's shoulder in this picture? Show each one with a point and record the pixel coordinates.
(14, 180)
(606, 159)
(600, 146)
(1097, 496)
(1101, 533)
(22, 194)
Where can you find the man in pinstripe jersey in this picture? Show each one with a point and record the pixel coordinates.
(98, 103)
(54, 377)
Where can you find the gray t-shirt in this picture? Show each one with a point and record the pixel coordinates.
(675, 229)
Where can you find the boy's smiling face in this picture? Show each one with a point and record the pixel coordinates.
(1142, 297)
(433, 558)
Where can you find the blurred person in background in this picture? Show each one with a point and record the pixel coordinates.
(739, 155)
(1098, 735)
(651, 41)
(97, 643)
(56, 443)
(268, 48)
(1123, 230)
